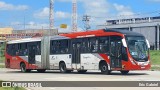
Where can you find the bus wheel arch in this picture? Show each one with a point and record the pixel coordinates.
(62, 67)
(23, 67)
(103, 66)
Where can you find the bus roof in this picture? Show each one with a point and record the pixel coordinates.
(101, 32)
(123, 31)
(58, 37)
(24, 40)
(79, 35)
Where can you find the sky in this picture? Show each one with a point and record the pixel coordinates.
(35, 13)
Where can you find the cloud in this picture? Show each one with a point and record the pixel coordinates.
(123, 10)
(101, 10)
(6, 6)
(44, 13)
(29, 25)
(15, 23)
(95, 9)
(36, 25)
(60, 14)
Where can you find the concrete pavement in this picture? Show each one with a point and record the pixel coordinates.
(16, 75)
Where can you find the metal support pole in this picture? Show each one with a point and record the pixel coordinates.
(129, 28)
(158, 28)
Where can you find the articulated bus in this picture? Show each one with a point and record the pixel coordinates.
(105, 50)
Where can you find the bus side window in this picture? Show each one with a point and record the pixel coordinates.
(93, 44)
(113, 49)
(63, 46)
(20, 51)
(124, 54)
(54, 47)
(24, 49)
(51, 47)
(14, 49)
(38, 48)
(9, 49)
(104, 44)
(84, 45)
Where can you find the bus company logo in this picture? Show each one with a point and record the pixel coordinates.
(6, 84)
(53, 58)
(86, 57)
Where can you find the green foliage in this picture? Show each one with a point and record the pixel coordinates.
(2, 50)
(155, 68)
(155, 57)
(2, 66)
(155, 60)
(15, 88)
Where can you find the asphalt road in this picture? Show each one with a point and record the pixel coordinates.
(16, 75)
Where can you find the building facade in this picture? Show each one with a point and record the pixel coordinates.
(10, 34)
(148, 26)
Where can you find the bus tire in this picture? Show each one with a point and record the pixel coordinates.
(125, 72)
(62, 67)
(104, 68)
(82, 71)
(41, 70)
(23, 68)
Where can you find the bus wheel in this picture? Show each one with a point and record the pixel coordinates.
(41, 70)
(62, 67)
(125, 72)
(82, 71)
(104, 68)
(23, 68)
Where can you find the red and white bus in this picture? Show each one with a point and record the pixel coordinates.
(105, 50)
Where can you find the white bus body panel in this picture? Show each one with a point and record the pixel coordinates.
(24, 58)
(38, 61)
(76, 66)
(55, 59)
(90, 61)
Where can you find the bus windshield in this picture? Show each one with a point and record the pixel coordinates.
(138, 47)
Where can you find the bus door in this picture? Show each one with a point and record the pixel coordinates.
(76, 44)
(31, 53)
(115, 52)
